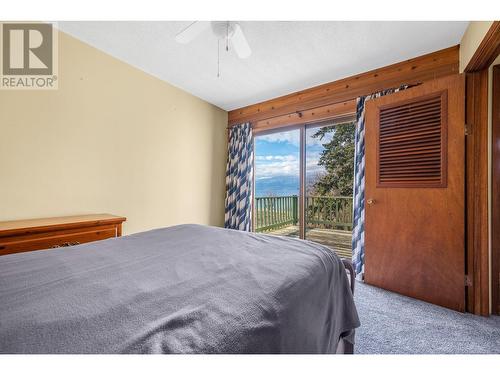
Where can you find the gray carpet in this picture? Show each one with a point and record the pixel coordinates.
(394, 324)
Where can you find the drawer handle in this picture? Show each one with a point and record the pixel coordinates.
(66, 244)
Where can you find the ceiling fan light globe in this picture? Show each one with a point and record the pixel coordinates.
(223, 29)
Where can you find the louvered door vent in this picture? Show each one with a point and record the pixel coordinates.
(412, 144)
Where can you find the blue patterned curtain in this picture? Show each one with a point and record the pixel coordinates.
(239, 178)
(358, 228)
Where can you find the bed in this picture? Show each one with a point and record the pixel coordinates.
(182, 289)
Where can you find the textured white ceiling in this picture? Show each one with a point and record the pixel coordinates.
(286, 56)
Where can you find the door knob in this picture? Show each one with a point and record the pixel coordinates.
(370, 201)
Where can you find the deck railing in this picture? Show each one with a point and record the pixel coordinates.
(272, 213)
(275, 212)
(329, 212)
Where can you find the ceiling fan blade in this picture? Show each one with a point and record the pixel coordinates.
(191, 31)
(239, 43)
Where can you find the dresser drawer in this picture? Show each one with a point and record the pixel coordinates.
(56, 239)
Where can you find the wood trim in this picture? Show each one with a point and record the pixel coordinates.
(337, 111)
(487, 51)
(495, 193)
(434, 65)
(477, 262)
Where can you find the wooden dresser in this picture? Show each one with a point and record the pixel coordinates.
(36, 234)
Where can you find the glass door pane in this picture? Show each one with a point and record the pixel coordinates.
(277, 183)
(329, 184)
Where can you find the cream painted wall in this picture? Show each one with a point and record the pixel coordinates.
(473, 36)
(111, 139)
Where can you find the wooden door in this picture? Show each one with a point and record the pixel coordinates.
(414, 193)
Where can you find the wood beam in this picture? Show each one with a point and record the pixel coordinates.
(337, 111)
(413, 71)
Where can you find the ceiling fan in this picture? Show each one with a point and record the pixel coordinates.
(229, 31)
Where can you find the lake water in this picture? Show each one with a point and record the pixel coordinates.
(277, 186)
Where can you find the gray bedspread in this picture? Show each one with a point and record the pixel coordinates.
(183, 289)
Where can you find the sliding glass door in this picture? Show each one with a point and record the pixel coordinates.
(329, 169)
(303, 184)
(277, 183)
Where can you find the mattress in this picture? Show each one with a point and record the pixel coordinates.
(182, 289)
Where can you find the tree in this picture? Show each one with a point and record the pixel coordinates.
(338, 160)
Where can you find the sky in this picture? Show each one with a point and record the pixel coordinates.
(277, 161)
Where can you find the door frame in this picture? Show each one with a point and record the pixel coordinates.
(477, 231)
(495, 192)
